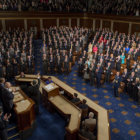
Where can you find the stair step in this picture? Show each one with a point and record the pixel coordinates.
(15, 135)
(9, 129)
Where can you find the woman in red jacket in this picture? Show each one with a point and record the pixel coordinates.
(95, 49)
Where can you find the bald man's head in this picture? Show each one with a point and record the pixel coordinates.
(7, 84)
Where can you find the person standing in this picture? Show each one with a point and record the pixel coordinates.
(3, 125)
(34, 93)
(2, 81)
(116, 84)
(7, 98)
(98, 75)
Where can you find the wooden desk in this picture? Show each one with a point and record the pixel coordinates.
(51, 92)
(27, 79)
(103, 128)
(24, 109)
(68, 109)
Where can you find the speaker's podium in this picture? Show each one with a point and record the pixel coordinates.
(25, 113)
(49, 90)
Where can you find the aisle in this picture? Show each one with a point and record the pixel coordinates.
(38, 56)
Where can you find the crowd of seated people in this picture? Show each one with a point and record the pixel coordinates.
(112, 57)
(59, 47)
(115, 7)
(16, 53)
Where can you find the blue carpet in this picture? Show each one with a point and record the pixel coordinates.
(49, 126)
(124, 114)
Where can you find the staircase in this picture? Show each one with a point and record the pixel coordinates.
(13, 133)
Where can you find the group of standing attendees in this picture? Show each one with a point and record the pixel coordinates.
(113, 57)
(16, 52)
(60, 44)
(7, 103)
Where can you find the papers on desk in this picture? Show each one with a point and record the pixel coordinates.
(16, 92)
(18, 97)
(22, 105)
(49, 87)
(17, 88)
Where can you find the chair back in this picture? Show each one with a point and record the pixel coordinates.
(80, 137)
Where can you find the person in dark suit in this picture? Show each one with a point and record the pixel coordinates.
(128, 62)
(118, 63)
(124, 78)
(75, 98)
(29, 65)
(130, 83)
(108, 72)
(58, 64)
(7, 98)
(98, 75)
(136, 89)
(92, 72)
(9, 70)
(83, 105)
(80, 67)
(2, 82)
(66, 64)
(138, 94)
(116, 84)
(3, 125)
(34, 93)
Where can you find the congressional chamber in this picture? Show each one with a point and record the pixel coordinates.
(69, 70)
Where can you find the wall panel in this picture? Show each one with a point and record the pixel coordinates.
(106, 24)
(33, 23)
(0, 25)
(73, 22)
(97, 24)
(49, 22)
(86, 23)
(63, 22)
(14, 23)
(135, 28)
(121, 27)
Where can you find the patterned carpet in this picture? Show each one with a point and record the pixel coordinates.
(124, 113)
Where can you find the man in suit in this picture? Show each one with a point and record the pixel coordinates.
(83, 105)
(130, 83)
(118, 63)
(80, 67)
(116, 84)
(7, 98)
(98, 75)
(34, 93)
(3, 125)
(108, 72)
(139, 94)
(2, 82)
(90, 123)
(75, 98)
